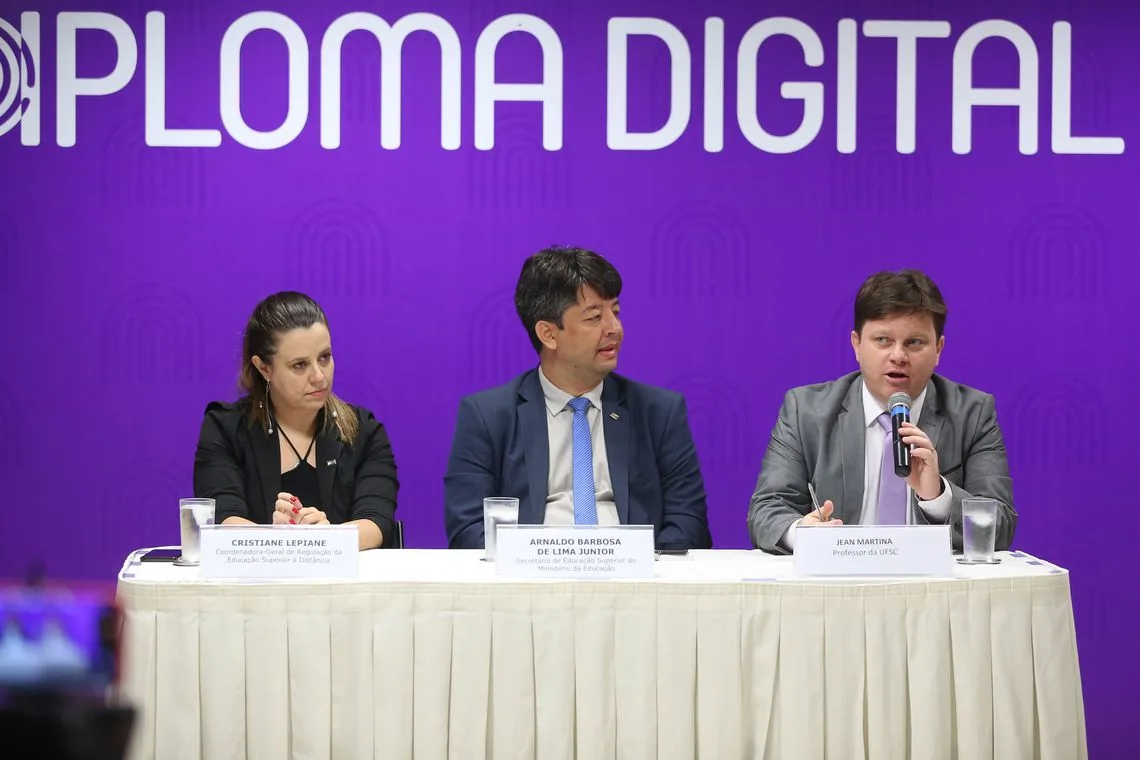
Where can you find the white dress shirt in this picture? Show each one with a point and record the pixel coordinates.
(560, 477)
(937, 510)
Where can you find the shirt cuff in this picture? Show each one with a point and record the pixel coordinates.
(937, 510)
(788, 541)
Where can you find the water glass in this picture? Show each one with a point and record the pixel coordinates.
(979, 529)
(497, 511)
(192, 515)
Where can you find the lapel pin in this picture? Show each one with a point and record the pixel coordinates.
(614, 415)
(330, 463)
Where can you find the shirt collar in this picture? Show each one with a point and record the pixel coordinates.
(872, 408)
(557, 399)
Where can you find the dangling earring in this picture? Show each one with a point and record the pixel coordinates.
(268, 413)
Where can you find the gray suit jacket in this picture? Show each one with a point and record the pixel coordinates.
(820, 437)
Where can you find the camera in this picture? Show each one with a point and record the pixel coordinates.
(59, 665)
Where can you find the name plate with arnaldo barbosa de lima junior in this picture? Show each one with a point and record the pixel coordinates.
(541, 552)
(873, 550)
(279, 552)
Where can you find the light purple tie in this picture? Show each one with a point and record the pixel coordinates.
(892, 488)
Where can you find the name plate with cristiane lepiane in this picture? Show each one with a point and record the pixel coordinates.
(280, 552)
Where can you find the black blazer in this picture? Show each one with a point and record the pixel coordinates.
(239, 466)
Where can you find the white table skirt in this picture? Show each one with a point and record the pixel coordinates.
(721, 656)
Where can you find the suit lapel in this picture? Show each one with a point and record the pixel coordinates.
(615, 419)
(930, 422)
(329, 449)
(853, 445)
(267, 455)
(532, 425)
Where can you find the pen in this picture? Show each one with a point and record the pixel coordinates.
(815, 502)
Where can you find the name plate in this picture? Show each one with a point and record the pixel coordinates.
(582, 552)
(873, 550)
(279, 552)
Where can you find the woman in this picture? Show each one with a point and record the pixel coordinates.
(290, 452)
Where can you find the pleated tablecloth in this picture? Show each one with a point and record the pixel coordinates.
(723, 655)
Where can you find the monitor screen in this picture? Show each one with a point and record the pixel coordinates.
(57, 638)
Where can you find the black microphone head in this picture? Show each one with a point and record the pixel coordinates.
(898, 399)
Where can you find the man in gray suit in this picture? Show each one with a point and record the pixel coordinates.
(836, 435)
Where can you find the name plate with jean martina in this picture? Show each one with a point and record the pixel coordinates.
(582, 552)
(873, 550)
(280, 552)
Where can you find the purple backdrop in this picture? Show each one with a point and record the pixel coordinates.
(128, 270)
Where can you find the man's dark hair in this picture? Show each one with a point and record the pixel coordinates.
(551, 280)
(889, 294)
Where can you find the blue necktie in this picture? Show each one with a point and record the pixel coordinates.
(585, 509)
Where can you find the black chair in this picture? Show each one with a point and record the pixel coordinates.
(395, 539)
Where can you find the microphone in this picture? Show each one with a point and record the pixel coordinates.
(899, 406)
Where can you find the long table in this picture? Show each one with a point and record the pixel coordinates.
(722, 655)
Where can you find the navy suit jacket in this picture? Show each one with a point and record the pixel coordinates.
(501, 448)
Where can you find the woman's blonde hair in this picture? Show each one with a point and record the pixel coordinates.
(272, 318)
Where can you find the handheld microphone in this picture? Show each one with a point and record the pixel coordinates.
(899, 406)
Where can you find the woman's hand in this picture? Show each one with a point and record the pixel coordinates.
(290, 511)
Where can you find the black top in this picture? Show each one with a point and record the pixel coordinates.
(301, 481)
(239, 466)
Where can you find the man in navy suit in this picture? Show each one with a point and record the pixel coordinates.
(575, 443)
